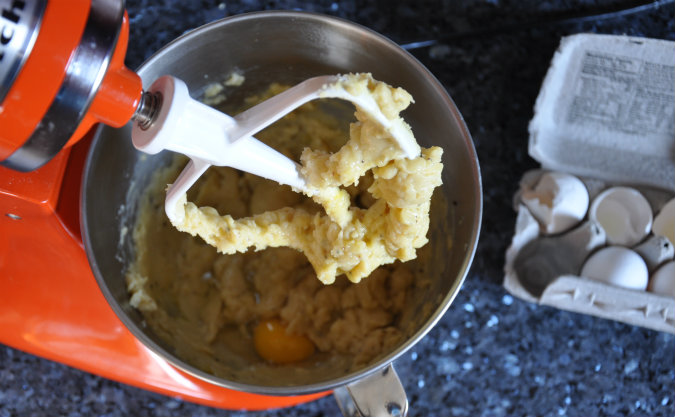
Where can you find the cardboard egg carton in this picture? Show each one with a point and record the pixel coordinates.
(605, 114)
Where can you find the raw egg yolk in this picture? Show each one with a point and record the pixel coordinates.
(275, 345)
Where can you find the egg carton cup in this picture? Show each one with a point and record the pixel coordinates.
(605, 117)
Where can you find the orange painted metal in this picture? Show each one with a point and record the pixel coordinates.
(41, 77)
(43, 72)
(50, 303)
(119, 93)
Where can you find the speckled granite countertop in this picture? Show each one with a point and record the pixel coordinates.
(491, 354)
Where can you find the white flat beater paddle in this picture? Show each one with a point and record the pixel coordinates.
(210, 137)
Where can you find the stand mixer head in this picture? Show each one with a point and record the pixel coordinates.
(61, 71)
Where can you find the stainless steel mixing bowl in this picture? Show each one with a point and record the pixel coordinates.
(289, 47)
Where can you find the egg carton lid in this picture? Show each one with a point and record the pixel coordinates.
(606, 109)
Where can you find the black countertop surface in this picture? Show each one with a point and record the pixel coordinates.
(491, 354)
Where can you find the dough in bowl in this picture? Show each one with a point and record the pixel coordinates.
(208, 301)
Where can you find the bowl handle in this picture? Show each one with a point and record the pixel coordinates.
(380, 394)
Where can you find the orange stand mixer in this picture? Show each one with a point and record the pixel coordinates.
(61, 72)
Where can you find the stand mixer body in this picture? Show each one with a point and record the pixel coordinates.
(61, 72)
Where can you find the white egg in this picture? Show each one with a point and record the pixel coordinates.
(624, 213)
(559, 201)
(664, 222)
(618, 266)
(663, 280)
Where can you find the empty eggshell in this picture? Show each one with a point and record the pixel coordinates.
(664, 222)
(618, 266)
(624, 213)
(663, 280)
(558, 201)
